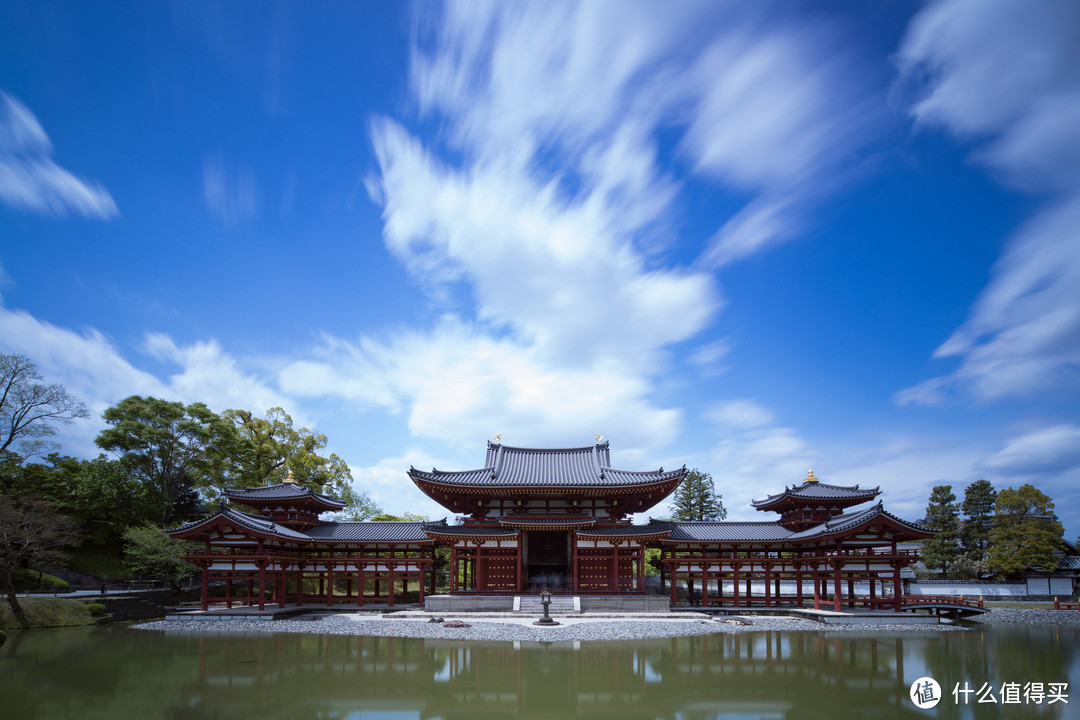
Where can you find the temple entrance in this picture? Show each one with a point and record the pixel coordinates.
(547, 560)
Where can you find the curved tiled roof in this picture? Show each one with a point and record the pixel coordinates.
(282, 491)
(385, 531)
(547, 467)
(470, 531)
(256, 523)
(846, 521)
(723, 530)
(820, 491)
(559, 521)
(624, 531)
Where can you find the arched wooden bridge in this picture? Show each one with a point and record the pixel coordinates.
(955, 605)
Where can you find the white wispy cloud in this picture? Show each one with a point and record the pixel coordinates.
(231, 191)
(547, 202)
(91, 367)
(31, 180)
(459, 384)
(1004, 76)
(1052, 449)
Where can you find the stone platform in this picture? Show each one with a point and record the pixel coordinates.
(580, 603)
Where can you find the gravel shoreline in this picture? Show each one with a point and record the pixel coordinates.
(491, 629)
(1020, 616)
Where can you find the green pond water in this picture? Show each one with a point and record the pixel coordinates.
(118, 672)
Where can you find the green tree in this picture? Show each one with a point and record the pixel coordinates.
(404, 517)
(30, 409)
(978, 509)
(696, 498)
(942, 516)
(31, 533)
(269, 447)
(149, 551)
(106, 497)
(175, 449)
(1025, 531)
(359, 506)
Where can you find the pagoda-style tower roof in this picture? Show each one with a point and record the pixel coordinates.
(814, 502)
(288, 503)
(532, 472)
(287, 493)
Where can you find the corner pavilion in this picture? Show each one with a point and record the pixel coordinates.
(558, 518)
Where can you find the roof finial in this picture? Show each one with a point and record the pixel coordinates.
(497, 438)
(599, 438)
(810, 477)
(290, 479)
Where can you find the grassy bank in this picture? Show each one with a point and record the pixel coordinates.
(43, 612)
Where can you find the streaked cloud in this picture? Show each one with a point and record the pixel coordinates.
(231, 191)
(1052, 449)
(30, 179)
(1005, 76)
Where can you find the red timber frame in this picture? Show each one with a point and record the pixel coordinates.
(824, 572)
(273, 572)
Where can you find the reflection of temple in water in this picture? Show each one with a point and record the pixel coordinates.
(760, 675)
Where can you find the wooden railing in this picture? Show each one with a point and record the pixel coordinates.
(941, 600)
(1066, 605)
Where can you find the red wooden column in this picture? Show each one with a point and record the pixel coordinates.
(300, 585)
(735, 582)
(898, 602)
(674, 584)
(768, 582)
(262, 583)
(228, 590)
(204, 598)
(573, 561)
(837, 564)
(420, 584)
(453, 569)
(393, 567)
(330, 584)
(360, 586)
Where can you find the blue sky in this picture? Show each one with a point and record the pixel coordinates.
(753, 238)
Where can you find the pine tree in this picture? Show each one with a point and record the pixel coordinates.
(696, 499)
(978, 509)
(941, 516)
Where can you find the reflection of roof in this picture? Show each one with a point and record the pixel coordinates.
(564, 467)
(283, 491)
(388, 531)
(819, 491)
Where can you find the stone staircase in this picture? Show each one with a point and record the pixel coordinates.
(560, 605)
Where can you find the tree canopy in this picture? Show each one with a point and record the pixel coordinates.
(696, 498)
(176, 449)
(31, 533)
(30, 408)
(978, 509)
(1025, 531)
(269, 447)
(942, 516)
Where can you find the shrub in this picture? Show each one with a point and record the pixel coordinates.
(34, 580)
(96, 609)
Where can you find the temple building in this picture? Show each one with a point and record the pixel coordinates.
(561, 519)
